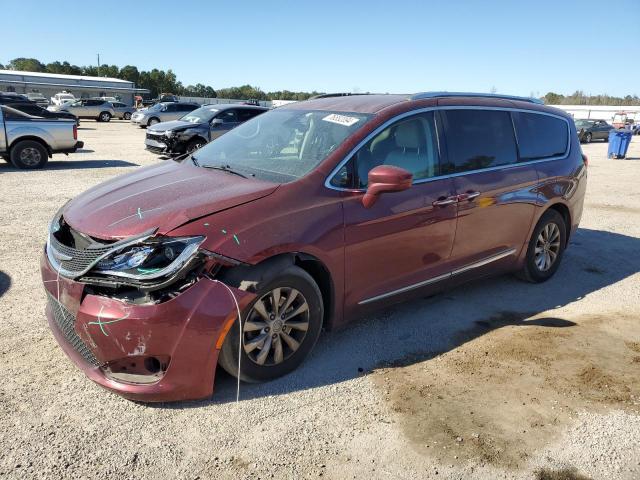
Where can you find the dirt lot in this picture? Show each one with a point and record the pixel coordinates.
(498, 379)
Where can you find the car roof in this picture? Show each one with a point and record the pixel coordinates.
(225, 106)
(375, 103)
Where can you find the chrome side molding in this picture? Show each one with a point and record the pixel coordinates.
(439, 278)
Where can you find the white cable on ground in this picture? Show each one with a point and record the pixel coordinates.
(235, 300)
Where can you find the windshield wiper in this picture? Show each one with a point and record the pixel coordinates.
(224, 168)
(195, 160)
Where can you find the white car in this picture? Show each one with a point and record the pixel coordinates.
(60, 98)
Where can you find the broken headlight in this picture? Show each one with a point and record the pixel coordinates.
(151, 259)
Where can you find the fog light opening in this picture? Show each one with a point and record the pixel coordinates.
(152, 364)
(143, 370)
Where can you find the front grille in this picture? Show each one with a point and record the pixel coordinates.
(65, 321)
(81, 259)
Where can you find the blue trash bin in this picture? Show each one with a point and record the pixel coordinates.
(619, 141)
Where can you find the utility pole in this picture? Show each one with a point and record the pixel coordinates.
(98, 64)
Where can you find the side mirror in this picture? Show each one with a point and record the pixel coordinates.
(216, 121)
(385, 179)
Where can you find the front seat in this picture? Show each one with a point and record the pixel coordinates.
(410, 150)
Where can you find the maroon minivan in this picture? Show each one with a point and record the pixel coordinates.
(301, 219)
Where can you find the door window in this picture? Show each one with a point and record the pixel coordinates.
(540, 136)
(478, 139)
(245, 114)
(409, 143)
(228, 116)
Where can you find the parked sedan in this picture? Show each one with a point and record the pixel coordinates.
(90, 108)
(123, 111)
(198, 128)
(589, 130)
(37, 111)
(162, 112)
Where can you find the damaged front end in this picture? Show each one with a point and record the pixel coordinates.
(162, 142)
(141, 316)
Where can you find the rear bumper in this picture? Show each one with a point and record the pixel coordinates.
(78, 144)
(100, 334)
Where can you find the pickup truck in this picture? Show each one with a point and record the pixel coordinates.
(28, 142)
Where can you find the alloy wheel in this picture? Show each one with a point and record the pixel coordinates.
(547, 247)
(30, 156)
(276, 326)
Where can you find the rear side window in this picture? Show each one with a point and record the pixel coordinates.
(540, 136)
(245, 114)
(478, 139)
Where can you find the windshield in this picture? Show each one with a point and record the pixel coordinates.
(281, 145)
(156, 108)
(201, 115)
(583, 123)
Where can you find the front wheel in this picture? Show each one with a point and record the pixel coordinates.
(587, 138)
(127, 116)
(104, 117)
(153, 121)
(545, 249)
(279, 328)
(195, 145)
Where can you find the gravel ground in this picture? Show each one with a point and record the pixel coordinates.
(402, 394)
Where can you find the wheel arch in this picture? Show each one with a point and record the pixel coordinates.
(563, 210)
(33, 138)
(246, 277)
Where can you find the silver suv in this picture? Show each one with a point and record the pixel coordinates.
(101, 110)
(162, 112)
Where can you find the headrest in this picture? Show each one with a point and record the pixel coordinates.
(407, 134)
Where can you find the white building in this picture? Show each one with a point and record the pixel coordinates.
(79, 85)
(599, 112)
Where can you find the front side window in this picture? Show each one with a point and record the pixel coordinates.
(410, 144)
(478, 139)
(281, 145)
(228, 116)
(540, 136)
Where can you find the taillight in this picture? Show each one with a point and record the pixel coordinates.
(585, 160)
(75, 132)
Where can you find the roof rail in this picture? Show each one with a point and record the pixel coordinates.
(419, 96)
(331, 95)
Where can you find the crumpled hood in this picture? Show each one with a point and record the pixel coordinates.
(163, 196)
(172, 125)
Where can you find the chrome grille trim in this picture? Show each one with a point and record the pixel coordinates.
(66, 321)
(72, 262)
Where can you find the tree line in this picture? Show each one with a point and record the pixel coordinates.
(580, 98)
(155, 80)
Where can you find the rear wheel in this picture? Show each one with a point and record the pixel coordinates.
(104, 117)
(279, 328)
(545, 248)
(29, 155)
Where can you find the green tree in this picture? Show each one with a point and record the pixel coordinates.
(130, 73)
(553, 98)
(26, 64)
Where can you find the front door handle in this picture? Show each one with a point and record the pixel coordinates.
(444, 201)
(468, 196)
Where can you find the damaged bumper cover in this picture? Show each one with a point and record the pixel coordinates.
(144, 346)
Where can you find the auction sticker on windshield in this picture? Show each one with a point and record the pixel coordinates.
(341, 119)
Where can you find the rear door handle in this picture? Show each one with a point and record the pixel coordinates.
(468, 196)
(444, 201)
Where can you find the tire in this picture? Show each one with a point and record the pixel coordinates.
(535, 268)
(29, 155)
(587, 137)
(195, 144)
(104, 117)
(255, 327)
(153, 121)
(127, 116)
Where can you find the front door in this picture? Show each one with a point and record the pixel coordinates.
(403, 242)
(496, 196)
(229, 120)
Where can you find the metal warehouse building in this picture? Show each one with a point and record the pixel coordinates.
(80, 86)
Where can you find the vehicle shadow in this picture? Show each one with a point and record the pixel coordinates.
(5, 283)
(72, 165)
(419, 330)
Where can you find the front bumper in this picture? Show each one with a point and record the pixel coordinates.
(97, 332)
